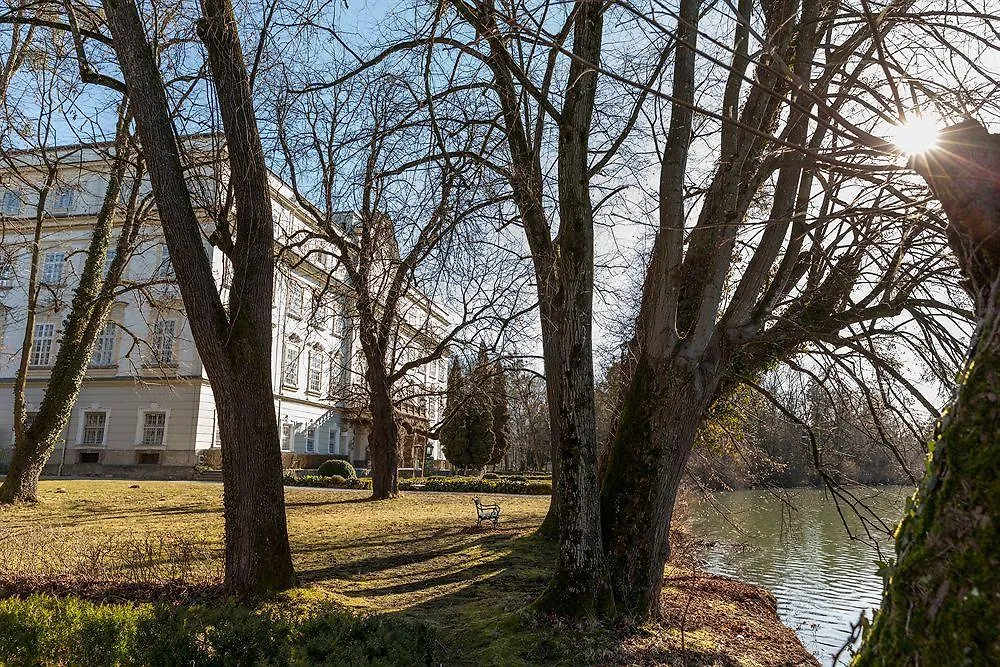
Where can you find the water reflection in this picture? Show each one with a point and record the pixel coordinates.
(799, 548)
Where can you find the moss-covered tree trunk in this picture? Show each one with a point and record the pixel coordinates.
(941, 604)
(88, 314)
(661, 412)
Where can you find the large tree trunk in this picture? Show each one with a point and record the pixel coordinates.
(564, 271)
(659, 421)
(665, 399)
(942, 595)
(236, 349)
(579, 586)
(383, 440)
(258, 556)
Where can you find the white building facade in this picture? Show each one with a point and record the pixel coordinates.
(146, 400)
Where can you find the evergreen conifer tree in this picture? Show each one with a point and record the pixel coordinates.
(479, 412)
(453, 433)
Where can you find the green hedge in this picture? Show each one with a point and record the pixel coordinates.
(328, 482)
(438, 483)
(477, 485)
(44, 630)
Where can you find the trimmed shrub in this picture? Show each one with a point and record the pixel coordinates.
(211, 458)
(490, 475)
(337, 467)
(337, 479)
(43, 630)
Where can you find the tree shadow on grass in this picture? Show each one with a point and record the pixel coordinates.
(475, 593)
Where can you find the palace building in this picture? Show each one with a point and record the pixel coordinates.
(146, 400)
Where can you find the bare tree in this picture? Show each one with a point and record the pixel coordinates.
(541, 93)
(725, 297)
(234, 342)
(795, 231)
(416, 236)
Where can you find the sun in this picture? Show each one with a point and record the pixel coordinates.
(914, 136)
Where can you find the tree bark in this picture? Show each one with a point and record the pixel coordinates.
(660, 417)
(942, 592)
(18, 485)
(579, 586)
(235, 347)
(564, 272)
(383, 440)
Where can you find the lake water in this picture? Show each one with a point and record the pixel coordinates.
(799, 548)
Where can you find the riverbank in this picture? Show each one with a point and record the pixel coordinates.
(417, 560)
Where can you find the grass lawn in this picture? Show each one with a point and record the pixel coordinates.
(418, 556)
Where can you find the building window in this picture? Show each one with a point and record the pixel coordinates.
(286, 436)
(333, 442)
(165, 269)
(337, 375)
(311, 439)
(320, 316)
(296, 293)
(321, 319)
(89, 457)
(41, 346)
(154, 426)
(315, 362)
(94, 424)
(290, 372)
(104, 346)
(63, 199)
(147, 458)
(8, 273)
(52, 268)
(108, 259)
(162, 342)
(12, 202)
(337, 323)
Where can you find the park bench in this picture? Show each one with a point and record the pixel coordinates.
(487, 513)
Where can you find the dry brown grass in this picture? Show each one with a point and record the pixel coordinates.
(419, 555)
